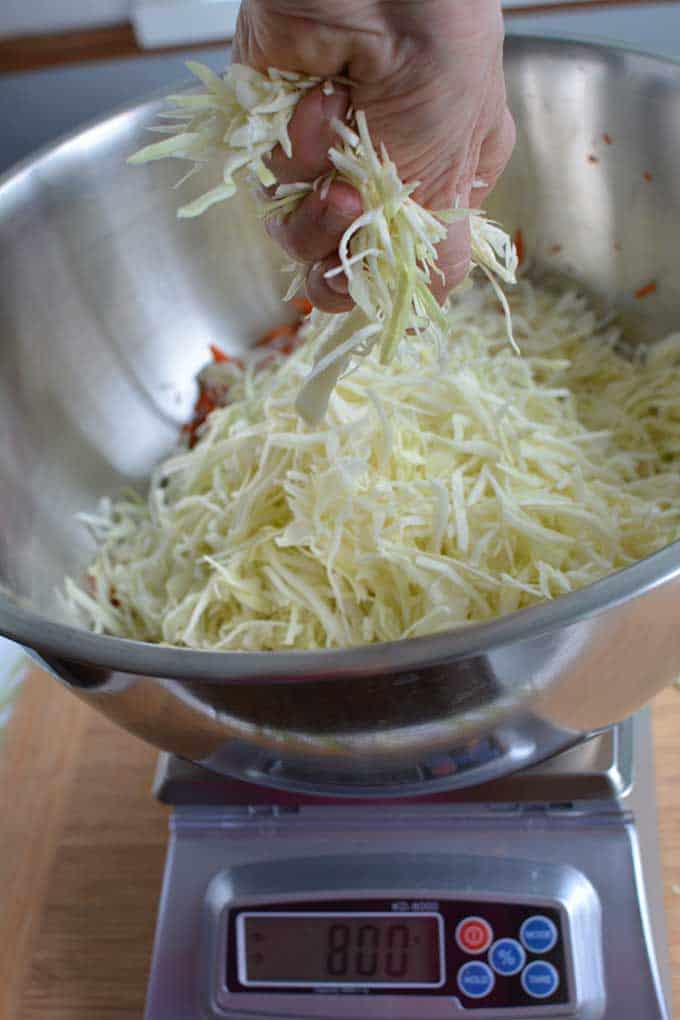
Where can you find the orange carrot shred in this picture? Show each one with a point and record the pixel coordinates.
(643, 292)
(273, 334)
(218, 354)
(302, 304)
(211, 396)
(648, 176)
(518, 241)
(205, 403)
(607, 138)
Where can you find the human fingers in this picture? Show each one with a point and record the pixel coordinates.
(453, 260)
(314, 229)
(329, 293)
(494, 156)
(311, 134)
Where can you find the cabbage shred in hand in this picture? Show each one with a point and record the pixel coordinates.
(427, 500)
(388, 254)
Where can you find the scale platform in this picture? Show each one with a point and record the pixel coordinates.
(538, 895)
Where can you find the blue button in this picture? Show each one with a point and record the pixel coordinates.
(538, 934)
(540, 980)
(476, 980)
(507, 957)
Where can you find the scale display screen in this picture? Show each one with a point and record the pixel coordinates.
(483, 954)
(370, 950)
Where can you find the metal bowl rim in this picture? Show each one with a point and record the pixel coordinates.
(70, 643)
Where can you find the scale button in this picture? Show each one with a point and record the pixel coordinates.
(540, 980)
(538, 934)
(476, 980)
(507, 957)
(474, 935)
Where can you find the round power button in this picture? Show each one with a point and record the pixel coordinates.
(474, 935)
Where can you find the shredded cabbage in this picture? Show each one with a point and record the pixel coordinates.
(388, 254)
(427, 500)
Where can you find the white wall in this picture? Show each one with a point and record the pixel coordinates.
(18, 17)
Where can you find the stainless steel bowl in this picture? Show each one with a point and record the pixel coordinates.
(107, 305)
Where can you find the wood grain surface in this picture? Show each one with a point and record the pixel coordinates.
(82, 847)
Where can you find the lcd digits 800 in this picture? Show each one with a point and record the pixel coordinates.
(313, 949)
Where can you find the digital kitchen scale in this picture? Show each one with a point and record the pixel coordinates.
(538, 895)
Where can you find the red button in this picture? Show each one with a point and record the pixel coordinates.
(474, 935)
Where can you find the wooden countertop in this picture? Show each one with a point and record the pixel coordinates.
(82, 846)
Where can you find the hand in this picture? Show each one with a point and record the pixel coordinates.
(428, 74)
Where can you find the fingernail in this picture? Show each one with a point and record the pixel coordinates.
(339, 284)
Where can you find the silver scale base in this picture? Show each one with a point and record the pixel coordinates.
(579, 832)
